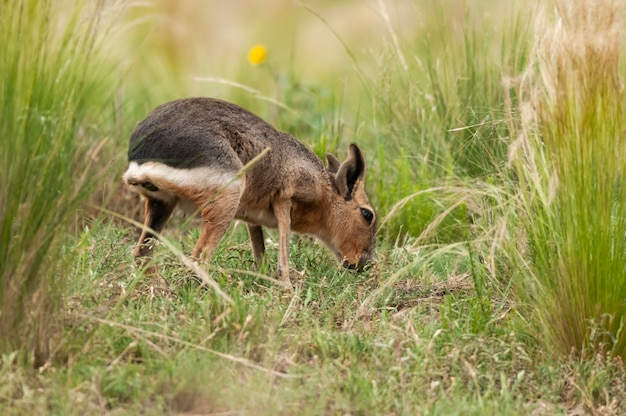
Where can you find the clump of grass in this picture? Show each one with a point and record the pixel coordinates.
(570, 163)
(439, 114)
(51, 89)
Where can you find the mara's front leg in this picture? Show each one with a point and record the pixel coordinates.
(282, 212)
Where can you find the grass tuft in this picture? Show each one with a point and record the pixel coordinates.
(49, 93)
(571, 168)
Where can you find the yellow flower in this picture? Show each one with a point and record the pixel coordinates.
(257, 55)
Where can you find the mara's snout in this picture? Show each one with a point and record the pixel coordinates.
(363, 257)
(360, 265)
(190, 153)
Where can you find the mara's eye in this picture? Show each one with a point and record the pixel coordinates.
(367, 214)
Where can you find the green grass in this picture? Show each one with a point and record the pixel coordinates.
(571, 199)
(51, 93)
(137, 343)
(497, 289)
(441, 120)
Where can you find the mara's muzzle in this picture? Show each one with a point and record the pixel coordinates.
(365, 261)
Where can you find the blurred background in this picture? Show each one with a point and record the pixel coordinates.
(314, 40)
(318, 41)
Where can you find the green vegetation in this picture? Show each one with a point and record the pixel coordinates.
(494, 143)
(571, 174)
(51, 95)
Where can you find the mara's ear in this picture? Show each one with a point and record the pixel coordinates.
(350, 172)
(333, 163)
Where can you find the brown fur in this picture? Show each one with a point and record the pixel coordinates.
(196, 147)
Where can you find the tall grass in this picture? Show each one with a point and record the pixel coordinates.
(439, 115)
(51, 92)
(571, 165)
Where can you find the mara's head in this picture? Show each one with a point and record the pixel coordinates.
(352, 218)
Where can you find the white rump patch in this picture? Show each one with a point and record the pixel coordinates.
(163, 177)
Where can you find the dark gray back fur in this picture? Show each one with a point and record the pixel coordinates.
(196, 132)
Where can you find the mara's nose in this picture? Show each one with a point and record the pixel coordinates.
(364, 261)
(347, 265)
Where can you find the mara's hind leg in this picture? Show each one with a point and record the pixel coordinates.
(218, 209)
(258, 245)
(157, 213)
